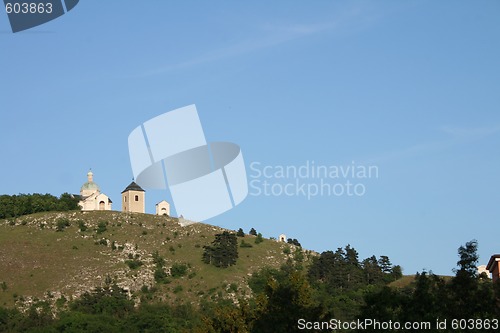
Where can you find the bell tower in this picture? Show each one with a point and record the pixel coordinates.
(133, 199)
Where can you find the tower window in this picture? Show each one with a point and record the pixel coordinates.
(136, 198)
(124, 199)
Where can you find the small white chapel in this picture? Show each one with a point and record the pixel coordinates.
(91, 197)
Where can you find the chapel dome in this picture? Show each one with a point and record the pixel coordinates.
(90, 185)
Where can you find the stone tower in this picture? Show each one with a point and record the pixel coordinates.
(133, 199)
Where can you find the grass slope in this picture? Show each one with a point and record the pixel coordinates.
(38, 262)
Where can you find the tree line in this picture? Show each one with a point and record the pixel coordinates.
(335, 285)
(25, 204)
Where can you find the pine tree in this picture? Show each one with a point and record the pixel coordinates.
(223, 252)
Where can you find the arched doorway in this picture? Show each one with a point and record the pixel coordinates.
(102, 205)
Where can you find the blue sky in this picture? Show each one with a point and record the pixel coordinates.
(409, 86)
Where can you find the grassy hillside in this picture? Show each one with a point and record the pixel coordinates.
(44, 258)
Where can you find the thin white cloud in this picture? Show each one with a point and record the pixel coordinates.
(470, 133)
(270, 35)
(454, 136)
(247, 46)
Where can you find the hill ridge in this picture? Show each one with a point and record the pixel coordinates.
(57, 256)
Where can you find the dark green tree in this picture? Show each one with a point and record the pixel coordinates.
(385, 264)
(286, 298)
(371, 270)
(293, 242)
(223, 252)
(240, 233)
(253, 232)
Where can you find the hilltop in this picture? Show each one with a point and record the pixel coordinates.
(57, 256)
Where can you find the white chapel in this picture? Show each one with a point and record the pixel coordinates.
(91, 197)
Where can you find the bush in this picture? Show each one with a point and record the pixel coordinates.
(259, 239)
(61, 224)
(178, 270)
(240, 233)
(82, 226)
(177, 289)
(101, 227)
(245, 244)
(133, 264)
(161, 276)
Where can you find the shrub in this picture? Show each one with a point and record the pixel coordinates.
(61, 224)
(161, 276)
(245, 244)
(177, 289)
(259, 238)
(133, 264)
(82, 226)
(101, 227)
(178, 270)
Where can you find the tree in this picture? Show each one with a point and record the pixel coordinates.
(240, 233)
(397, 272)
(372, 272)
(259, 238)
(385, 264)
(223, 252)
(470, 296)
(253, 232)
(286, 299)
(293, 242)
(110, 300)
(468, 260)
(24, 204)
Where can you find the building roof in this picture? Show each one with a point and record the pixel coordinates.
(494, 258)
(90, 186)
(133, 187)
